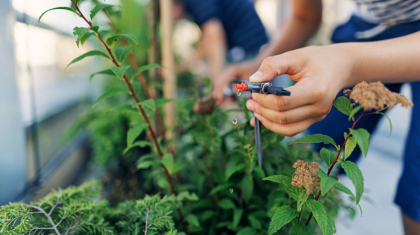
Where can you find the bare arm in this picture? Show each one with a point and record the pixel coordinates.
(214, 46)
(321, 72)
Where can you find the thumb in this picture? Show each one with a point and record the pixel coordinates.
(271, 67)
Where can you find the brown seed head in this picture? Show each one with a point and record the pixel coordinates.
(376, 96)
(306, 175)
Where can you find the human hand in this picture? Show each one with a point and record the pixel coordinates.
(235, 71)
(320, 73)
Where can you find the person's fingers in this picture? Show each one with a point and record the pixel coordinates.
(274, 66)
(286, 117)
(287, 129)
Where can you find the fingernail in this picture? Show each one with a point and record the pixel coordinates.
(250, 106)
(256, 76)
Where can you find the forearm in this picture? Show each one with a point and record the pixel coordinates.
(299, 28)
(214, 47)
(389, 61)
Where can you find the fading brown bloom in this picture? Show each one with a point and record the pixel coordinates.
(205, 105)
(306, 175)
(376, 96)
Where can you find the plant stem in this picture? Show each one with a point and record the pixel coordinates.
(335, 161)
(143, 113)
(48, 217)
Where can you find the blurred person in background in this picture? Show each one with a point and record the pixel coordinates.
(232, 31)
(372, 20)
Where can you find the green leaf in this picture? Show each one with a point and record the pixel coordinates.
(343, 105)
(79, 32)
(88, 54)
(187, 195)
(237, 214)
(109, 93)
(120, 71)
(356, 177)
(292, 191)
(350, 145)
(247, 231)
(347, 191)
(255, 223)
(103, 72)
(220, 187)
(283, 216)
(98, 8)
(300, 229)
(303, 197)
(281, 179)
(328, 156)
(259, 172)
(168, 162)
(248, 187)
(162, 101)
(362, 137)
(141, 144)
(320, 216)
(315, 138)
(121, 53)
(58, 8)
(145, 68)
(114, 38)
(389, 120)
(144, 164)
(234, 170)
(150, 104)
(193, 220)
(354, 111)
(134, 132)
(85, 37)
(327, 182)
(227, 204)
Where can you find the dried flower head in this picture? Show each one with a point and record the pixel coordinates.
(205, 105)
(306, 175)
(376, 96)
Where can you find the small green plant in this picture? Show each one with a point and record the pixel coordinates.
(310, 182)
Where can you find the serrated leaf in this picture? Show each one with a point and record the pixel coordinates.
(134, 132)
(141, 144)
(247, 231)
(327, 181)
(58, 8)
(79, 32)
(114, 38)
(121, 53)
(315, 138)
(292, 191)
(150, 104)
(340, 187)
(362, 137)
(299, 229)
(356, 177)
(103, 72)
(162, 101)
(168, 162)
(145, 68)
(281, 179)
(354, 111)
(187, 195)
(109, 93)
(234, 170)
(350, 145)
(283, 216)
(320, 215)
(237, 214)
(389, 120)
(303, 197)
(88, 54)
(343, 105)
(98, 8)
(86, 37)
(120, 71)
(328, 156)
(227, 204)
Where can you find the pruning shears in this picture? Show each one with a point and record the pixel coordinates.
(263, 88)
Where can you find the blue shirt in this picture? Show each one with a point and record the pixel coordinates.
(243, 27)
